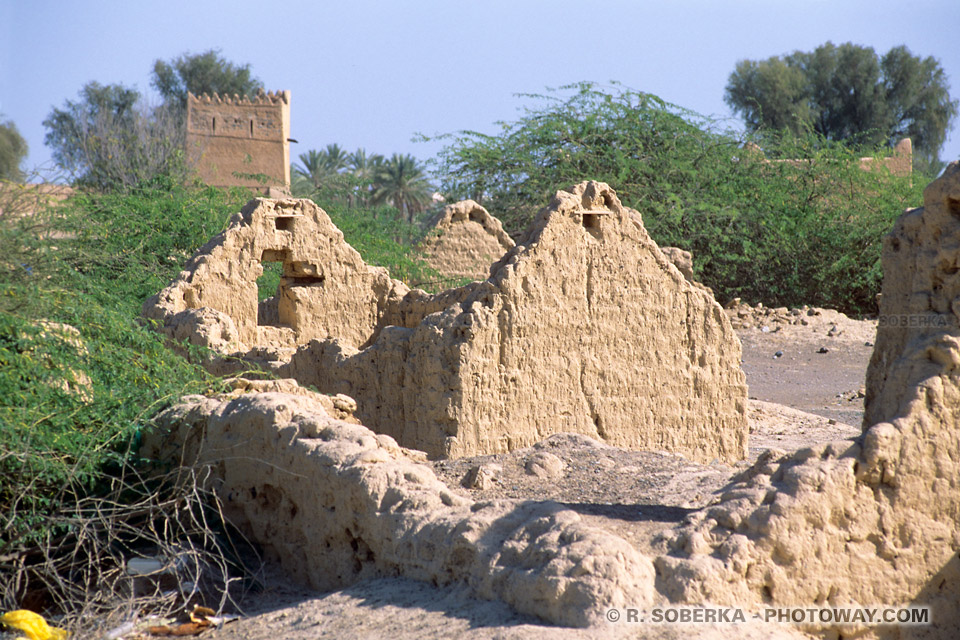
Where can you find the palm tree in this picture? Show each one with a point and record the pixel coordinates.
(310, 172)
(318, 169)
(364, 168)
(401, 183)
(336, 158)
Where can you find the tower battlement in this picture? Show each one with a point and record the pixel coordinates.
(240, 140)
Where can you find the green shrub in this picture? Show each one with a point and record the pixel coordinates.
(72, 404)
(384, 239)
(777, 233)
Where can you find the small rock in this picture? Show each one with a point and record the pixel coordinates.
(765, 329)
(481, 476)
(778, 354)
(823, 350)
(544, 464)
(868, 344)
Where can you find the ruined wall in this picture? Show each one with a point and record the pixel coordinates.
(583, 327)
(869, 522)
(900, 163)
(876, 521)
(230, 134)
(337, 503)
(326, 289)
(464, 240)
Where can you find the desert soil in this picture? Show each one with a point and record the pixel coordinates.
(805, 370)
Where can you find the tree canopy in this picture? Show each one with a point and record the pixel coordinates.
(109, 138)
(847, 93)
(202, 73)
(781, 233)
(13, 148)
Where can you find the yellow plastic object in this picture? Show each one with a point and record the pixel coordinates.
(32, 624)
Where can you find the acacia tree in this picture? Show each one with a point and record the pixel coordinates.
(110, 138)
(13, 148)
(202, 73)
(773, 232)
(847, 93)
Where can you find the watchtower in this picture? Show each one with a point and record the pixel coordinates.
(240, 141)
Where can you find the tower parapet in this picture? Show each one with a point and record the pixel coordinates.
(240, 140)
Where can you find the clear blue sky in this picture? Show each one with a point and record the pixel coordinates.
(374, 74)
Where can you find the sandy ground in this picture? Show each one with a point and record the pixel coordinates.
(805, 370)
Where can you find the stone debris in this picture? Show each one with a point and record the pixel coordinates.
(482, 476)
(583, 327)
(546, 465)
(464, 240)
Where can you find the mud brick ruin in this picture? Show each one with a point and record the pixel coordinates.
(857, 523)
(464, 240)
(232, 139)
(584, 326)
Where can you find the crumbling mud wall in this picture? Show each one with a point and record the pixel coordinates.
(875, 521)
(335, 503)
(583, 327)
(326, 289)
(464, 240)
(869, 522)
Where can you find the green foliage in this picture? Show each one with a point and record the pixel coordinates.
(359, 179)
(401, 182)
(847, 93)
(109, 139)
(385, 239)
(202, 73)
(781, 233)
(269, 280)
(73, 404)
(13, 149)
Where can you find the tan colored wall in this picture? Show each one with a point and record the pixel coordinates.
(27, 199)
(899, 164)
(244, 135)
(464, 240)
(856, 523)
(585, 326)
(326, 289)
(869, 521)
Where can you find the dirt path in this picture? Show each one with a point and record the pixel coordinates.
(821, 365)
(799, 398)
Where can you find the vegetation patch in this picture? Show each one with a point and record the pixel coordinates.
(780, 233)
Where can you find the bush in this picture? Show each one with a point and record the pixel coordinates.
(778, 233)
(73, 401)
